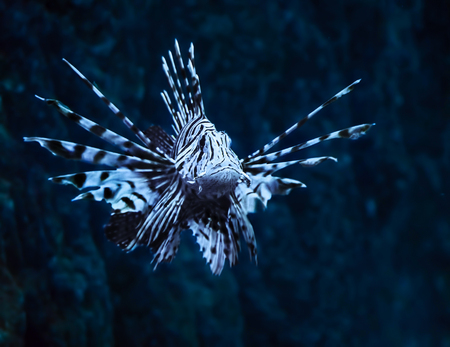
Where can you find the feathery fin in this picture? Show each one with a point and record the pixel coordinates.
(114, 109)
(300, 123)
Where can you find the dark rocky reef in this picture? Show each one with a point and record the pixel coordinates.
(359, 258)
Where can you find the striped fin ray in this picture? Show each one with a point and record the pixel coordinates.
(116, 111)
(184, 75)
(162, 139)
(217, 246)
(161, 220)
(82, 180)
(300, 123)
(271, 168)
(165, 227)
(122, 198)
(216, 234)
(188, 107)
(240, 222)
(176, 116)
(198, 100)
(132, 205)
(262, 187)
(169, 246)
(89, 179)
(212, 244)
(126, 191)
(106, 134)
(182, 113)
(349, 133)
(74, 151)
(214, 252)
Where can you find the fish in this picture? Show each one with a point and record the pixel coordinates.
(165, 183)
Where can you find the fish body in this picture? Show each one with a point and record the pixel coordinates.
(189, 180)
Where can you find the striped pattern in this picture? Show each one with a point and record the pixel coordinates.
(109, 136)
(302, 121)
(260, 168)
(91, 155)
(192, 180)
(204, 158)
(190, 106)
(349, 133)
(271, 168)
(216, 232)
(128, 123)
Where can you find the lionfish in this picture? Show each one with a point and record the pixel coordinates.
(189, 180)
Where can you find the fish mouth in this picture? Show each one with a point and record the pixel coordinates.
(222, 170)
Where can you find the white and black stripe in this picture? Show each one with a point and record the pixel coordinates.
(300, 123)
(192, 180)
(109, 136)
(348, 133)
(116, 111)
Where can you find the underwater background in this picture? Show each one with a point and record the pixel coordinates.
(359, 258)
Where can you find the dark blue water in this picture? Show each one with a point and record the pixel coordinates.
(359, 258)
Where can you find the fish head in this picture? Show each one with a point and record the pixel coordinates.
(215, 170)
